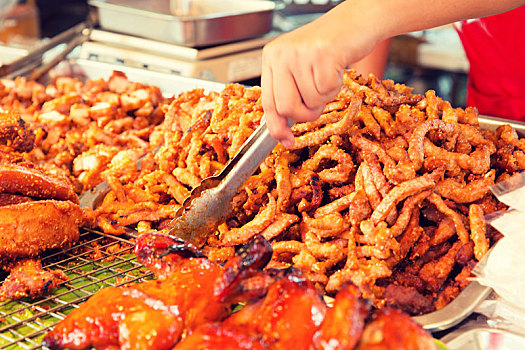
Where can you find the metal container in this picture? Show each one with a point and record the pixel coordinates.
(9, 54)
(169, 84)
(197, 23)
(463, 305)
(457, 310)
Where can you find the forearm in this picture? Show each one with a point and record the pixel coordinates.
(395, 17)
(375, 62)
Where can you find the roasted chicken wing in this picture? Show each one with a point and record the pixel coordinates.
(155, 314)
(189, 307)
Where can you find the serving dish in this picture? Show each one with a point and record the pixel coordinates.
(169, 84)
(201, 23)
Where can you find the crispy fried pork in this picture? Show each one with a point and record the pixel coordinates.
(15, 133)
(38, 211)
(385, 181)
(28, 279)
(9, 198)
(27, 229)
(29, 181)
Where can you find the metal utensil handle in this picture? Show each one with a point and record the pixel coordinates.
(251, 155)
(40, 71)
(64, 37)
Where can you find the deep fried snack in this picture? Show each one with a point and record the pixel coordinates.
(8, 199)
(478, 231)
(400, 192)
(460, 192)
(373, 191)
(15, 133)
(456, 217)
(28, 279)
(29, 181)
(416, 148)
(27, 229)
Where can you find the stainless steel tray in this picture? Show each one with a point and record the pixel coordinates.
(491, 123)
(457, 310)
(8, 54)
(202, 23)
(169, 84)
(463, 305)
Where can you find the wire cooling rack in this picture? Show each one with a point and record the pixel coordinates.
(98, 260)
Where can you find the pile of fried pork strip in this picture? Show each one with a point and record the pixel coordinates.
(387, 190)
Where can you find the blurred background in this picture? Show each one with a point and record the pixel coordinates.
(425, 60)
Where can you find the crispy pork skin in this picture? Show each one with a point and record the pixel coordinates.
(29, 279)
(27, 229)
(22, 179)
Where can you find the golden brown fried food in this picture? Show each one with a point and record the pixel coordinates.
(27, 229)
(15, 133)
(29, 181)
(28, 279)
(383, 180)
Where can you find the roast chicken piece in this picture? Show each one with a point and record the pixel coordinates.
(291, 316)
(189, 307)
(156, 314)
(392, 329)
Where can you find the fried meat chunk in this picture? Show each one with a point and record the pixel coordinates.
(27, 229)
(28, 279)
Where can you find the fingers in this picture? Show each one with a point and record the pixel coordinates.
(328, 80)
(287, 92)
(278, 128)
(289, 101)
(276, 124)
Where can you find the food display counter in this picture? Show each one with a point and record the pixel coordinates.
(154, 130)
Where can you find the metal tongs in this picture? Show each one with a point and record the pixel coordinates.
(72, 37)
(210, 203)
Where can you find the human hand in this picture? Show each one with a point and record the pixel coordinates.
(302, 70)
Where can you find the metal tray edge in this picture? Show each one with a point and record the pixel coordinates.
(145, 12)
(457, 310)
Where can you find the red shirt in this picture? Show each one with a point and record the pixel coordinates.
(495, 47)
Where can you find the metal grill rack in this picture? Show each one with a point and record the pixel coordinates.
(98, 260)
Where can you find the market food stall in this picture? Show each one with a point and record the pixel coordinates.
(387, 192)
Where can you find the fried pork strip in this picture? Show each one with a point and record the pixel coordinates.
(381, 181)
(15, 132)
